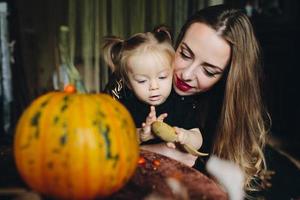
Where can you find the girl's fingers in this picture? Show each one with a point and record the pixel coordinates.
(149, 120)
(162, 117)
(151, 117)
(152, 111)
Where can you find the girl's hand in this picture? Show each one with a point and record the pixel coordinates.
(145, 132)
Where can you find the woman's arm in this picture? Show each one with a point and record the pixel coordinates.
(175, 154)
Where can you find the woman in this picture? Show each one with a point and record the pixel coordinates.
(217, 57)
(217, 63)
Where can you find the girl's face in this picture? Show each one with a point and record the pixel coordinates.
(200, 60)
(150, 77)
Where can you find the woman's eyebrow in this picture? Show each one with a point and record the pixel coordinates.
(184, 45)
(213, 66)
(207, 64)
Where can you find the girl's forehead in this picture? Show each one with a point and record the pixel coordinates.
(149, 58)
(149, 62)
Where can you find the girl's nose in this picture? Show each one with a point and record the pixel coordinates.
(154, 85)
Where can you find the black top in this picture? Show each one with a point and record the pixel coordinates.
(182, 111)
(187, 111)
(195, 111)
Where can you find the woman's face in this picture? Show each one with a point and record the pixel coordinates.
(200, 60)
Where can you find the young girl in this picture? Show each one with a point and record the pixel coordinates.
(142, 64)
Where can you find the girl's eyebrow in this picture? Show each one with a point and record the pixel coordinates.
(140, 75)
(207, 64)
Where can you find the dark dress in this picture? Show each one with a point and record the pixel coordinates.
(182, 111)
(200, 111)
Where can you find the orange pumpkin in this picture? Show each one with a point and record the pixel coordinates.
(76, 146)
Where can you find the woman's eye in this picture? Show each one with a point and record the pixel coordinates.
(184, 55)
(209, 73)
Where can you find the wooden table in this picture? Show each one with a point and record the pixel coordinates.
(157, 178)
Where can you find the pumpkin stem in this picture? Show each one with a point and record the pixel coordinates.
(67, 63)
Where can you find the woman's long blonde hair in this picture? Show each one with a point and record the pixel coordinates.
(242, 123)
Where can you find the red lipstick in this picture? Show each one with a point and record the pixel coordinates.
(181, 85)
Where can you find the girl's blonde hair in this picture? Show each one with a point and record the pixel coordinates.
(242, 122)
(117, 52)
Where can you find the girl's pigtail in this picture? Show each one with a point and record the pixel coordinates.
(163, 33)
(112, 50)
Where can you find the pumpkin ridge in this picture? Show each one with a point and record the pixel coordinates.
(119, 112)
(67, 147)
(82, 103)
(104, 131)
(120, 144)
(45, 121)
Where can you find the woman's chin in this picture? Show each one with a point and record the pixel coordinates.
(183, 93)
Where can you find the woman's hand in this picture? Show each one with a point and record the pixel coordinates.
(192, 137)
(145, 132)
(175, 154)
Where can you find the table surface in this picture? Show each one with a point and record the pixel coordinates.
(159, 177)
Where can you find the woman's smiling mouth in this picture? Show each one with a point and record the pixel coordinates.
(181, 85)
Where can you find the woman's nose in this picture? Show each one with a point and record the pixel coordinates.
(188, 73)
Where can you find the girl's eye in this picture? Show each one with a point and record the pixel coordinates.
(162, 77)
(141, 81)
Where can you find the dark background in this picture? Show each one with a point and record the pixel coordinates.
(277, 29)
(279, 34)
